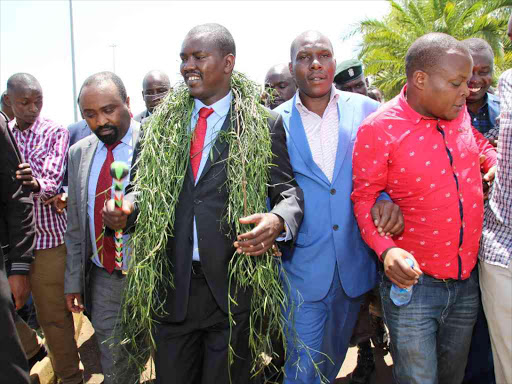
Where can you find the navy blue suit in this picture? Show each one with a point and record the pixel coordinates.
(77, 132)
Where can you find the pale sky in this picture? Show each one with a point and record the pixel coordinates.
(35, 38)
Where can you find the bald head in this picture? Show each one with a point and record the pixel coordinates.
(426, 52)
(217, 35)
(20, 81)
(155, 76)
(479, 46)
(308, 37)
(155, 86)
(5, 107)
(279, 84)
(279, 70)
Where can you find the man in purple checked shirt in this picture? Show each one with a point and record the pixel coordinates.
(44, 145)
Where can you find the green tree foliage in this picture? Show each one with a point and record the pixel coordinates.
(385, 41)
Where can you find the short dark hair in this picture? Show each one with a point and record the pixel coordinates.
(426, 52)
(475, 44)
(101, 77)
(219, 35)
(295, 42)
(21, 78)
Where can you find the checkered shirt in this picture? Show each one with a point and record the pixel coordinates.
(44, 145)
(496, 243)
(481, 120)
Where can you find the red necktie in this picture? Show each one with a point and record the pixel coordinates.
(104, 245)
(197, 144)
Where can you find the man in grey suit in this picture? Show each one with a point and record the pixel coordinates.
(94, 277)
(155, 86)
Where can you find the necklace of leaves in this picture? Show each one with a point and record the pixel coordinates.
(161, 171)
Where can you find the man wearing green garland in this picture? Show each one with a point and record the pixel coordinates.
(210, 276)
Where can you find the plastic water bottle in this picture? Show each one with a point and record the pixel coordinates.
(401, 296)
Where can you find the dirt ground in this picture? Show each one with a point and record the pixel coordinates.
(90, 356)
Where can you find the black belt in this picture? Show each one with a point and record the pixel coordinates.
(116, 272)
(197, 268)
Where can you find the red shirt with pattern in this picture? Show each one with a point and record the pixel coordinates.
(44, 146)
(430, 169)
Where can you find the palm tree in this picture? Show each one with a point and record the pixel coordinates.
(385, 42)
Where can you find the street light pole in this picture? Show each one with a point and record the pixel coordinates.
(113, 46)
(73, 61)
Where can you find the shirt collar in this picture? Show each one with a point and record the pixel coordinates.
(332, 98)
(414, 116)
(220, 107)
(34, 128)
(127, 139)
(484, 107)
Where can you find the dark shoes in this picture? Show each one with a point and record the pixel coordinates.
(37, 357)
(365, 364)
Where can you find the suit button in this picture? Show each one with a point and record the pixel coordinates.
(190, 239)
(333, 191)
(335, 227)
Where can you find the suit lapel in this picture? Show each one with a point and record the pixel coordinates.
(135, 141)
(346, 126)
(218, 147)
(298, 135)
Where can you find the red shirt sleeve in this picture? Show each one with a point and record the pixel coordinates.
(370, 172)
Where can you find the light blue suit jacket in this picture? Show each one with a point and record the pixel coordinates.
(329, 231)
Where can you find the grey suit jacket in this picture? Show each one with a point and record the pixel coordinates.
(77, 238)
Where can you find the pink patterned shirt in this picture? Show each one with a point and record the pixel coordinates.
(430, 169)
(322, 133)
(44, 146)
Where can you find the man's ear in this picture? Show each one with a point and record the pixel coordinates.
(127, 102)
(229, 63)
(6, 100)
(420, 79)
(290, 67)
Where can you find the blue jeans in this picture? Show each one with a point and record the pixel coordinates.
(324, 328)
(430, 337)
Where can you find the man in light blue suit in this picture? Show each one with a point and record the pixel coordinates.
(330, 267)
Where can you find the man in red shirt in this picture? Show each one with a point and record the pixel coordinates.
(421, 149)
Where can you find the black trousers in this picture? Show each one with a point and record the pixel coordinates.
(13, 363)
(195, 351)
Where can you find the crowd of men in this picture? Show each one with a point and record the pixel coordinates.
(359, 186)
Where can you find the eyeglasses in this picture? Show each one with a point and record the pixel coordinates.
(154, 96)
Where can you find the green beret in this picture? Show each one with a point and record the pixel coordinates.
(348, 70)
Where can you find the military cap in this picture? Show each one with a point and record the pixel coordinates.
(348, 70)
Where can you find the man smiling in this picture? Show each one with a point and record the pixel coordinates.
(483, 107)
(193, 338)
